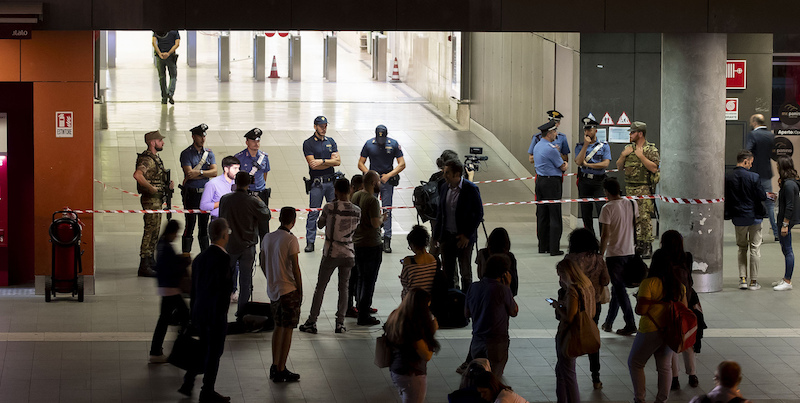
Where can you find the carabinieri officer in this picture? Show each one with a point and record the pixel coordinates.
(592, 158)
(549, 174)
(321, 155)
(382, 151)
(199, 164)
(561, 139)
(255, 162)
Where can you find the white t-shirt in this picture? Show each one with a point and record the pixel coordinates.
(279, 247)
(616, 214)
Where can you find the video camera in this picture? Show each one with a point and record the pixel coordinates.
(472, 162)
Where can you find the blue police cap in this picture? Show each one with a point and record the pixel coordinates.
(381, 131)
(199, 130)
(550, 125)
(253, 134)
(320, 120)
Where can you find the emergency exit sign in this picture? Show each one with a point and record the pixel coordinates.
(736, 75)
(64, 124)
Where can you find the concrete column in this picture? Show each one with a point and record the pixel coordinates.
(693, 147)
(191, 48)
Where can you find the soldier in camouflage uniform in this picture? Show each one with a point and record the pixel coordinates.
(640, 161)
(151, 181)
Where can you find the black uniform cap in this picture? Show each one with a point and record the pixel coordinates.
(547, 126)
(253, 134)
(554, 114)
(199, 130)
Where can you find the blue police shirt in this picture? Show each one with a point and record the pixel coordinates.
(561, 142)
(319, 149)
(256, 166)
(547, 159)
(381, 159)
(604, 153)
(191, 157)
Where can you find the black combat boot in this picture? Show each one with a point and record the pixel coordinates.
(203, 242)
(387, 245)
(145, 270)
(309, 247)
(186, 243)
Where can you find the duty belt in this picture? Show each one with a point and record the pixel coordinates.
(324, 178)
(591, 176)
(194, 190)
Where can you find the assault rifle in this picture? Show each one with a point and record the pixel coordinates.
(168, 192)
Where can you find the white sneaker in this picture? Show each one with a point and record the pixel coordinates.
(782, 286)
(755, 286)
(742, 283)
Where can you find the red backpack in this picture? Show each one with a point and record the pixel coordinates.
(680, 332)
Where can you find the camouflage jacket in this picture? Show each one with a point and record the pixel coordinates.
(635, 172)
(154, 171)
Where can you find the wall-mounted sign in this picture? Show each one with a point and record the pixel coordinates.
(736, 75)
(602, 135)
(618, 135)
(789, 113)
(623, 120)
(731, 108)
(782, 147)
(16, 31)
(607, 121)
(64, 124)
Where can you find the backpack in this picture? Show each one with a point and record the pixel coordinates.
(680, 333)
(450, 313)
(426, 200)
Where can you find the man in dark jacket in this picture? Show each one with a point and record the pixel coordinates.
(743, 206)
(211, 290)
(247, 217)
(457, 219)
(760, 142)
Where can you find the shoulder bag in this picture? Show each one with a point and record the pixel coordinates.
(582, 336)
(383, 352)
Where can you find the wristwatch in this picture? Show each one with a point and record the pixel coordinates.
(323, 160)
(785, 225)
(201, 172)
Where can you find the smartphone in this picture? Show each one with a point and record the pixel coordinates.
(550, 300)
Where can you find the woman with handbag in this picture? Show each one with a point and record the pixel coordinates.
(788, 217)
(578, 303)
(409, 332)
(584, 250)
(655, 292)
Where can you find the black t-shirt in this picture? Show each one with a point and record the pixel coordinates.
(167, 41)
(405, 360)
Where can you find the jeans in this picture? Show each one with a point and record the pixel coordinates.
(245, 260)
(170, 64)
(594, 358)
(368, 261)
(646, 345)
(412, 388)
(619, 296)
(788, 254)
(748, 239)
(173, 303)
(387, 191)
(452, 255)
(770, 205)
(318, 190)
(495, 350)
(566, 379)
(326, 268)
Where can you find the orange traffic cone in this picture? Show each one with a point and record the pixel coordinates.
(395, 73)
(274, 72)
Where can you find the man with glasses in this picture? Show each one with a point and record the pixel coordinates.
(640, 160)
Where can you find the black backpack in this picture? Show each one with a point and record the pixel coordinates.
(426, 200)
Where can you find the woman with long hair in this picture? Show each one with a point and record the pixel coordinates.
(584, 250)
(788, 217)
(419, 270)
(499, 243)
(672, 252)
(661, 287)
(579, 292)
(409, 330)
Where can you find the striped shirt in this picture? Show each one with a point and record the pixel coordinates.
(415, 275)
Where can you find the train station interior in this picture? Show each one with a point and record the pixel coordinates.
(451, 90)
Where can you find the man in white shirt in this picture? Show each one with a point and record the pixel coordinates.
(616, 242)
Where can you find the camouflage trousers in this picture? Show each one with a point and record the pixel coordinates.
(152, 226)
(644, 223)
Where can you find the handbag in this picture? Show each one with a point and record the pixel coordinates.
(187, 353)
(383, 353)
(605, 295)
(582, 336)
(635, 269)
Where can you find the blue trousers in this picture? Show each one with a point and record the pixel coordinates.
(788, 254)
(387, 191)
(318, 190)
(770, 205)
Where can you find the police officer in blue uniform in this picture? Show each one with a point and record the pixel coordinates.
(550, 168)
(322, 155)
(382, 151)
(256, 163)
(592, 158)
(199, 164)
(561, 139)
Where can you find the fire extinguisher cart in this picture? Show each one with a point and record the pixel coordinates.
(65, 236)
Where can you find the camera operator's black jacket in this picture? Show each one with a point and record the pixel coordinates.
(469, 211)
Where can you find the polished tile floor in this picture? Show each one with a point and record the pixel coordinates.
(97, 350)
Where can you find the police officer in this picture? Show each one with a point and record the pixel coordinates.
(640, 160)
(549, 174)
(382, 151)
(322, 155)
(256, 163)
(561, 139)
(151, 182)
(199, 164)
(592, 158)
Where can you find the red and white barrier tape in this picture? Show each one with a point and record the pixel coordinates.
(504, 180)
(675, 200)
